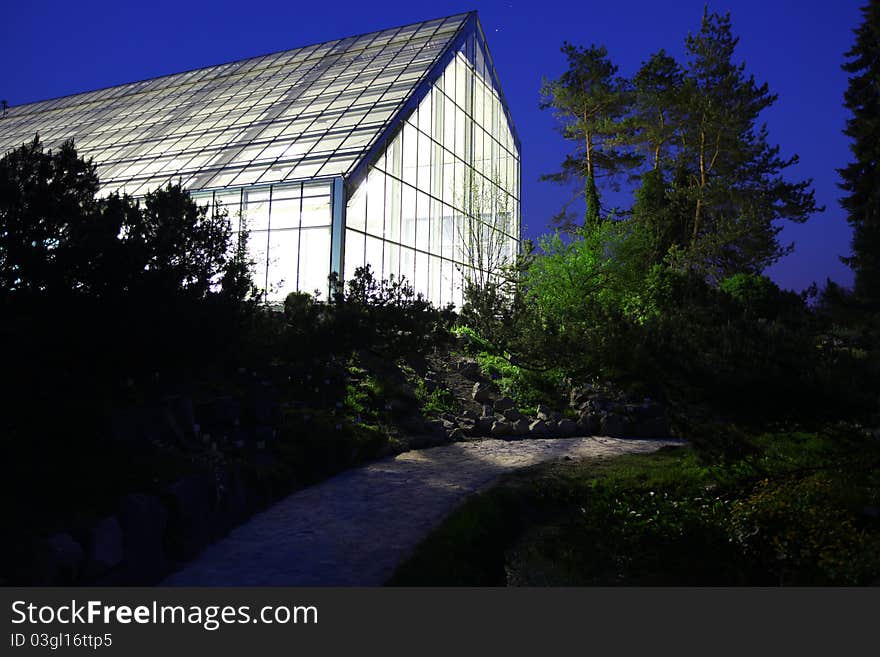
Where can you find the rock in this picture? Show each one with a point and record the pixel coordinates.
(503, 404)
(448, 417)
(589, 407)
(448, 425)
(566, 427)
(143, 520)
(655, 427)
(435, 427)
(407, 392)
(192, 504)
(456, 435)
(400, 406)
(588, 424)
(469, 369)
(520, 427)
(538, 428)
(470, 415)
(484, 425)
(482, 393)
(412, 424)
(870, 512)
(543, 412)
(105, 550)
(235, 501)
(500, 428)
(512, 415)
(581, 395)
(550, 426)
(556, 416)
(56, 561)
(611, 425)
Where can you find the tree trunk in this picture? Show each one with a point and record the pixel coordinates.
(698, 210)
(591, 194)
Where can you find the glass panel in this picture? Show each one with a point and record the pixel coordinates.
(373, 255)
(356, 212)
(354, 253)
(410, 154)
(391, 261)
(257, 248)
(423, 227)
(407, 264)
(257, 210)
(314, 261)
(283, 251)
(435, 281)
(285, 212)
(375, 203)
(408, 216)
(315, 211)
(422, 275)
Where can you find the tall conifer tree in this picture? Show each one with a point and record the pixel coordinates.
(590, 102)
(861, 178)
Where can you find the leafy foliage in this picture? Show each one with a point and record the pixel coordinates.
(789, 514)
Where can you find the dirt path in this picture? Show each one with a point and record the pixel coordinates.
(353, 529)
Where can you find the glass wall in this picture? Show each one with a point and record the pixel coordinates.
(442, 202)
(289, 233)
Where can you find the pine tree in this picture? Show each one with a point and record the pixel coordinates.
(734, 183)
(861, 178)
(591, 102)
(656, 112)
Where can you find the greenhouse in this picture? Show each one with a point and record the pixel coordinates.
(394, 149)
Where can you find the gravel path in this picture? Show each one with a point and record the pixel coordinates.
(353, 529)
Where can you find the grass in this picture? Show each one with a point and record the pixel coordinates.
(788, 513)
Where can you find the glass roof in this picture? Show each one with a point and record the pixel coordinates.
(302, 113)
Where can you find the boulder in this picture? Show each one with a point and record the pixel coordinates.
(588, 424)
(612, 425)
(482, 393)
(580, 395)
(538, 428)
(520, 427)
(500, 428)
(503, 404)
(512, 415)
(456, 435)
(470, 415)
(401, 405)
(192, 503)
(484, 425)
(654, 427)
(566, 427)
(105, 551)
(412, 424)
(235, 502)
(56, 561)
(469, 369)
(143, 520)
(543, 412)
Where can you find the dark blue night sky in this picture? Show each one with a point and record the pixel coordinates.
(57, 48)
